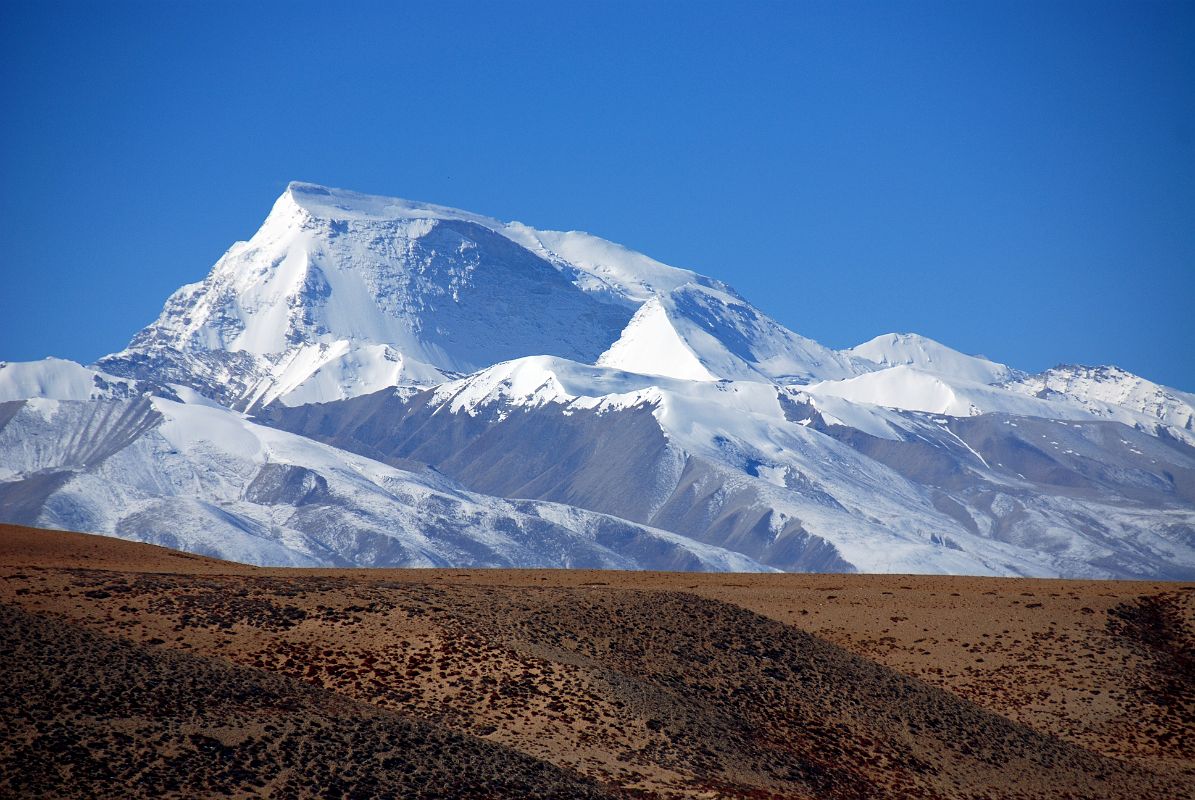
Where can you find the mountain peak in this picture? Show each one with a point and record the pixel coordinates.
(326, 202)
(341, 293)
(913, 349)
(651, 345)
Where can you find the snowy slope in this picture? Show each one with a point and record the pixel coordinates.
(206, 479)
(651, 345)
(703, 333)
(1113, 393)
(738, 463)
(58, 379)
(1061, 394)
(912, 389)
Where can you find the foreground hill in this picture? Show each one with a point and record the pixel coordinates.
(190, 675)
(189, 725)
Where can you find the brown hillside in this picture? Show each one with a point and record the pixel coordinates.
(661, 684)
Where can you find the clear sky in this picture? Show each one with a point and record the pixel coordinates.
(1013, 179)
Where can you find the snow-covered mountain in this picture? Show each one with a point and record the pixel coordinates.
(203, 478)
(761, 469)
(699, 332)
(926, 355)
(371, 380)
(1111, 393)
(340, 294)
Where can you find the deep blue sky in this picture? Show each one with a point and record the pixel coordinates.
(1015, 179)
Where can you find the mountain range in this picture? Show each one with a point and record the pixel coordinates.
(370, 381)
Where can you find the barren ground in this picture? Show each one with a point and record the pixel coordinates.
(130, 670)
